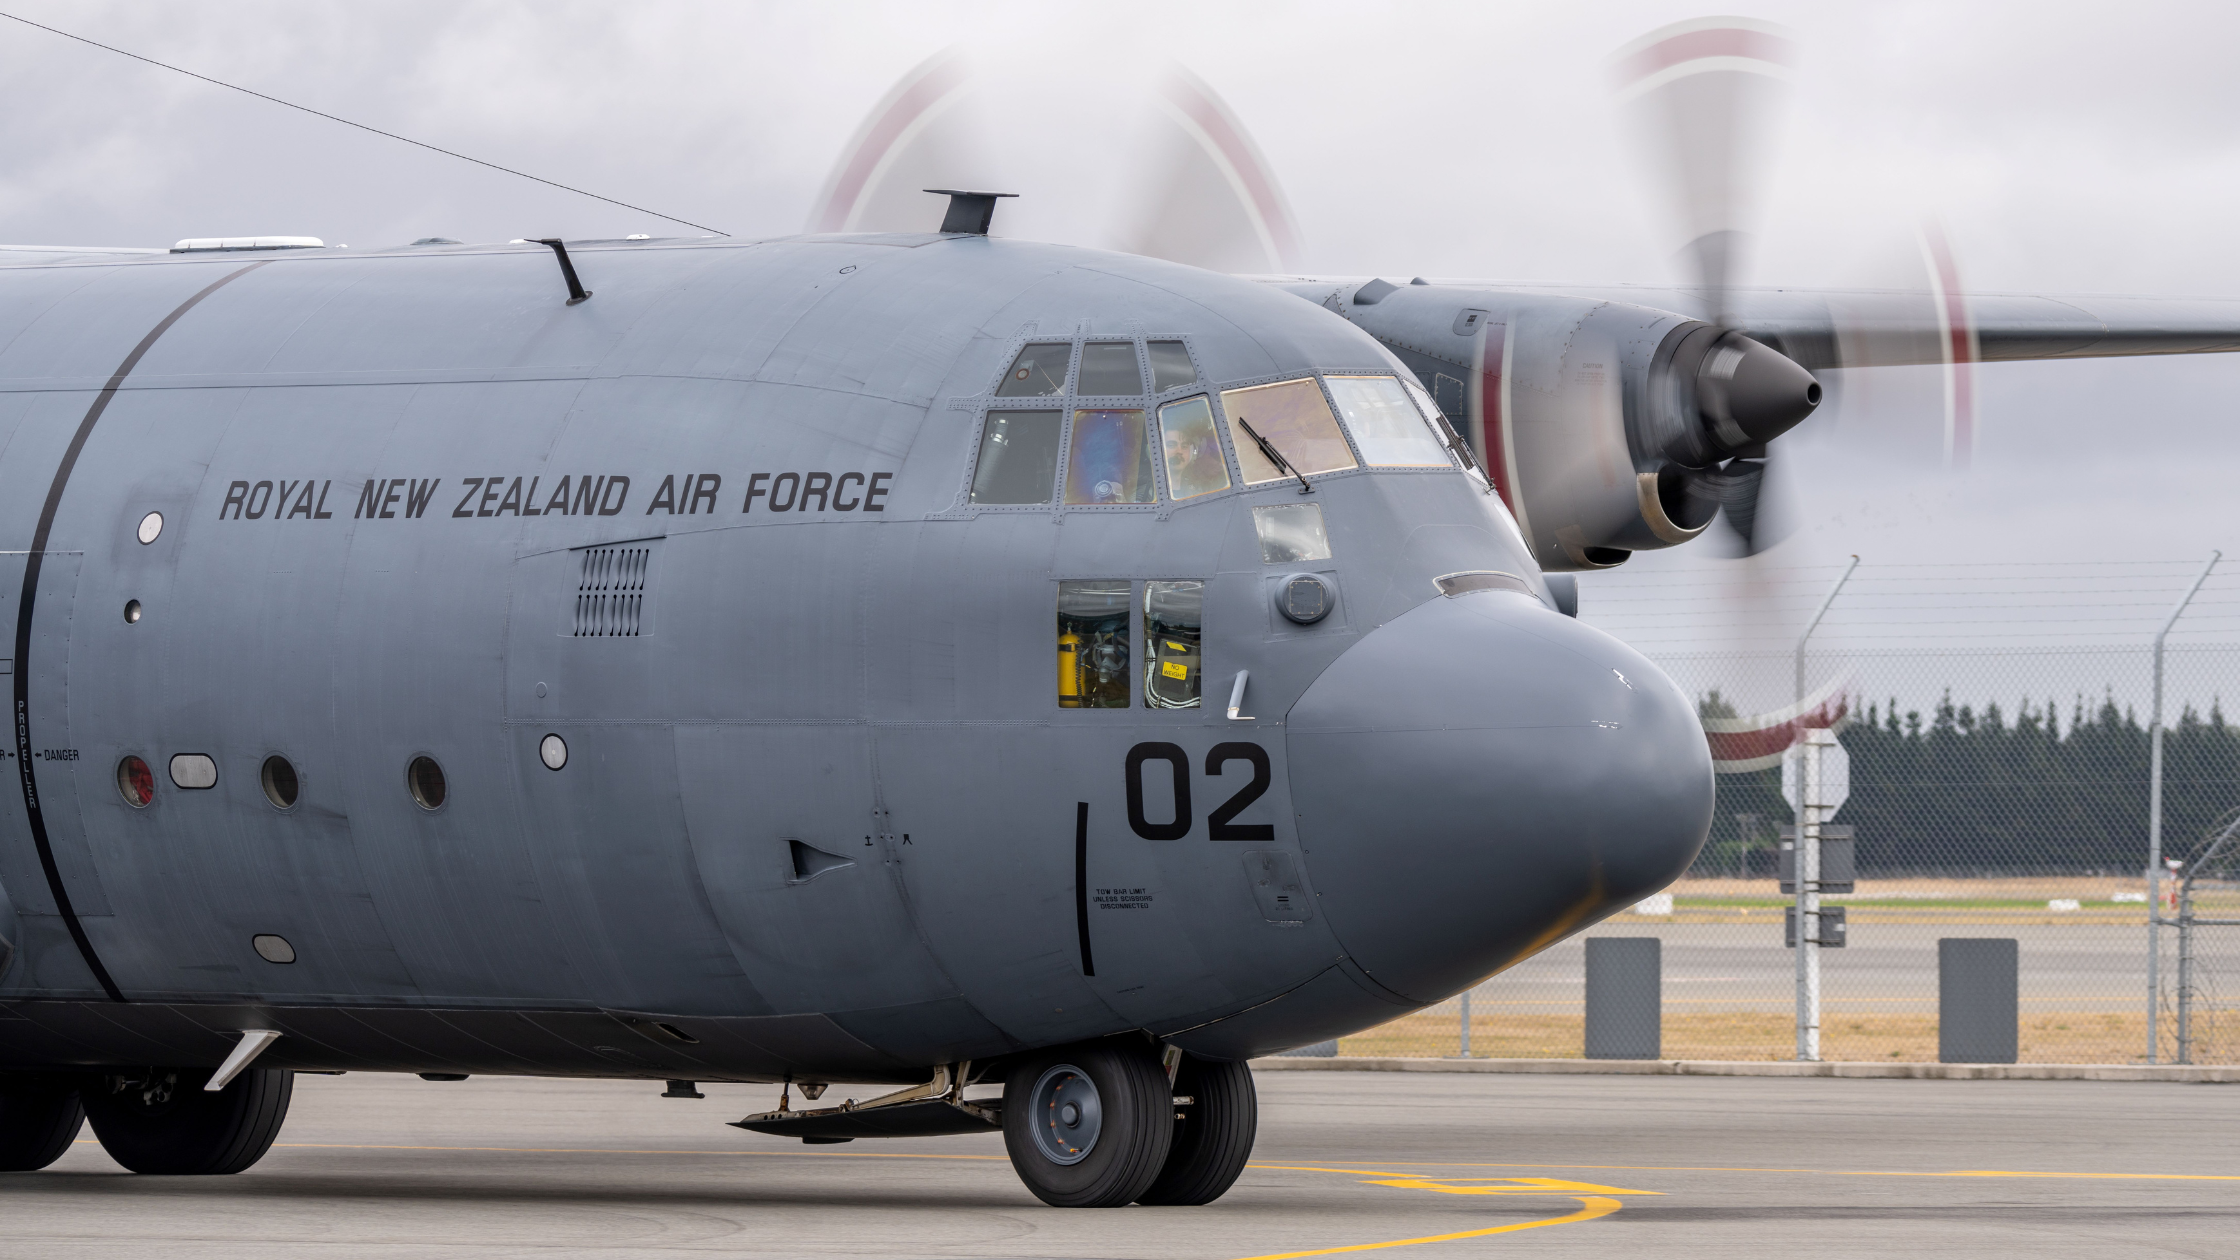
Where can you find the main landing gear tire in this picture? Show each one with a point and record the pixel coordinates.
(1089, 1125)
(39, 1118)
(161, 1120)
(1213, 1134)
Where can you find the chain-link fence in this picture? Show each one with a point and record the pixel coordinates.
(1994, 792)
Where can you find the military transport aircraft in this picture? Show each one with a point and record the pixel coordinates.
(919, 658)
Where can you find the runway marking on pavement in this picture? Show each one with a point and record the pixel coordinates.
(1590, 1208)
(1594, 1201)
(1814, 1172)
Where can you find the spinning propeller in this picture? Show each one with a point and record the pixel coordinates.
(1701, 100)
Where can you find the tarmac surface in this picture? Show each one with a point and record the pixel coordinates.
(1432, 1165)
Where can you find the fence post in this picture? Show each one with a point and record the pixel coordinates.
(1808, 852)
(2154, 814)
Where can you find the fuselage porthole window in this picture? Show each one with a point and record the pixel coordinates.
(278, 779)
(424, 778)
(136, 782)
(1093, 643)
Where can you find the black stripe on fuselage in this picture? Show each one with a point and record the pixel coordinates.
(31, 566)
(1081, 883)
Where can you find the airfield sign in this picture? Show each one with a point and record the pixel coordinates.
(1834, 777)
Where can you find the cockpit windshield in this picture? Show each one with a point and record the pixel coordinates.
(1111, 458)
(1294, 419)
(1385, 424)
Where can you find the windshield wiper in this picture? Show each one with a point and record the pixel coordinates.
(1275, 456)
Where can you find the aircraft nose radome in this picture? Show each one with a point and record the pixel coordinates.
(1481, 777)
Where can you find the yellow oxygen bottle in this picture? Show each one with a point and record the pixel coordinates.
(1069, 670)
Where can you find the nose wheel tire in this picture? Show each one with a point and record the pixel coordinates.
(1213, 1136)
(39, 1118)
(1088, 1125)
(161, 1120)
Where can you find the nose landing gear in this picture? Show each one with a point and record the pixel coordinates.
(161, 1120)
(1098, 1125)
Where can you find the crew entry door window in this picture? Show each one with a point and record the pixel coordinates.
(1093, 640)
(1173, 635)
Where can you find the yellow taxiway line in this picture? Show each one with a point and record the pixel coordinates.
(1590, 1207)
(1594, 1201)
(1802, 1172)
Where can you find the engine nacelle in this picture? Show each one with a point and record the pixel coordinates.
(1603, 426)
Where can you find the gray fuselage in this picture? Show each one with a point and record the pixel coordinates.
(819, 813)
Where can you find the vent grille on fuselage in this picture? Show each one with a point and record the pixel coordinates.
(611, 592)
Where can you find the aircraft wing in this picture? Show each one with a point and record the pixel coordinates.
(1824, 330)
(1834, 328)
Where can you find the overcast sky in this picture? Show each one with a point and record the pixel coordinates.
(2064, 150)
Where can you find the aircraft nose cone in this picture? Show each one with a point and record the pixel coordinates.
(1480, 778)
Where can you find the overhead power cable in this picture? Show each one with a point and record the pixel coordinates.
(235, 87)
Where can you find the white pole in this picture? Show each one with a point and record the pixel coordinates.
(2154, 811)
(1806, 866)
(1465, 1025)
(1808, 884)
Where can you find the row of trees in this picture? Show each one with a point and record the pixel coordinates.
(1975, 791)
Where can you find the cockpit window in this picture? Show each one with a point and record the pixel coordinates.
(1438, 420)
(1171, 367)
(1093, 643)
(1291, 416)
(1039, 370)
(1109, 368)
(1385, 424)
(1290, 533)
(1111, 458)
(1193, 450)
(1173, 629)
(1018, 457)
